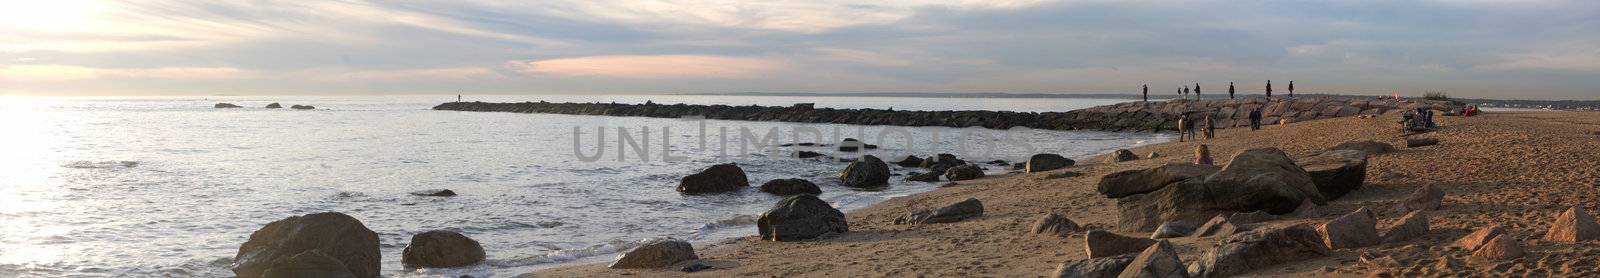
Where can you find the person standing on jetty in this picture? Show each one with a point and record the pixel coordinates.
(1291, 88)
(1255, 118)
(1230, 90)
(1146, 92)
(1269, 89)
(1197, 91)
(1202, 155)
(458, 98)
(1186, 92)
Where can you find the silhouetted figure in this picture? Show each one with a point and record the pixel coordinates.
(1255, 119)
(458, 98)
(1196, 91)
(1291, 88)
(1146, 92)
(1230, 90)
(1186, 92)
(1269, 88)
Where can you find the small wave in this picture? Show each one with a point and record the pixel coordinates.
(105, 164)
(735, 221)
(611, 247)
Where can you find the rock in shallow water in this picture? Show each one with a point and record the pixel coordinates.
(440, 248)
(225, 105)
(801, 217)
(786, 187)
(869, 171)
(311, 263)
(332, 234)
(660, 253)
(717, 178)
(963, 172)
(434, 193)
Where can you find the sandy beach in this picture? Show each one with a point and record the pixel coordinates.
(1518, 169)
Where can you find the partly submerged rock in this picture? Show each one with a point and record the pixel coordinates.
(924, 177)
(1574, 225)
(869, 171)
(1055, 224)
(910, 161)
(1100, 243)
(441, 248)
(800, 217)
(311, 263)
(968, 209)
(334, 235)
(225, 105)
(786, 187)
(434, 193)
(660, 253)
(1046, 162)
(715, 179)
(963, 172)
(302, 107)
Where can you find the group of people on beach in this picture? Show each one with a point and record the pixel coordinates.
(1183, 92)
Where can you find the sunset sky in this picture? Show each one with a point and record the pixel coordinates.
(1474, 48)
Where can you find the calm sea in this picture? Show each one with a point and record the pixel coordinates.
(168, 186)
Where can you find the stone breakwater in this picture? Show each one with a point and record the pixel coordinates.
(1152, 116)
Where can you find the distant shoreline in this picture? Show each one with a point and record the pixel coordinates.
(1573, 105)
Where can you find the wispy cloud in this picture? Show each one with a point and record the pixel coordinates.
(651, 67)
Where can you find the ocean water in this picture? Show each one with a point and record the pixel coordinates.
(168, 186)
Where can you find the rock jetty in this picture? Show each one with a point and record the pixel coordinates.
(1130, 116)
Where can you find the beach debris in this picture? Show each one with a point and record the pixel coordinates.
(1158, 260)
(715, 179)
(1256, 179)
(1501, 247)
(1412, 225)
(1121, 155)
(440, 248)
(1264, 248)
(1218, 226)
(963, 172)
(801, 217)
(957, 212)
(1427, 197)
(313, 244)
(302, 107)
(1479, 237)
(225, 105)
(1100, 243)
(1055, 224)
(1130, 182)
(910, 161)
(434, 193)
(1352, 230)
(274, 105)
(1046, 162)
(1421, 142)
(655, 254)
(1336, 173)
(1369, 147)
(1172, 229)
(1573, 225)
(786, 187)
(869, 171)
(924, 177)
(1106, 267)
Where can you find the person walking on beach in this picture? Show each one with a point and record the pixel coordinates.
(1146, 92)
(1230, 90)
(1196, 91)
(1188, 127)
(1211, 127)
(1183, 119)
(1202, 155)
(1255, 119)
(1269, 88)
(1291, 88)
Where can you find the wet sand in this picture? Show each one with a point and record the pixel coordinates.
(1519, 169)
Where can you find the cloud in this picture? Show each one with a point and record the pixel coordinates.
(651, 67)
(37, 73)
(452, 73)
(1549, 61)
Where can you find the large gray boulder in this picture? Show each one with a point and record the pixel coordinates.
(1352, 230)
(1337, 172)
(786, 187)
(1046, 162)
(715, 179)
(963, 172)
(311, 263)
(1106, 267)
(1156, 261)
(1100, 243)
(274, 105)
(1260, 249)
(440, 248)
(655, 254)
(274, 247)
(869, 171)
(1130, 182)
(1256, 179)
(968, 209)
(800, 217)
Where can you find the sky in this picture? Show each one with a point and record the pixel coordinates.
(1527, 49)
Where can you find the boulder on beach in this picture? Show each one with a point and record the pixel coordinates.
(1573, 225)
(439, 248)
(1479, 237)
(963, 172)
(332, 234)
(715, 179)
(786, 187)
(1172, 229)
(1427, 197)
(1501, 247)
(1055, 224)
(434, 193)
(311, 263)
(1100, 244)
(1352, 230)
(957, 212)
(1412, 225)
(1121, 155)
(302, 107)
(1106, 267)
(1260, 249)
(1158, 260)
(1124, 183)
(225, 105)
(909, 161)
(274, 105)
(1218, 226)
(1256, 179)
(1336, 173)
(1368, 147)
(869, 171)
(656, 254)
(1046, 162)
(1421, 142)
(800, 217)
